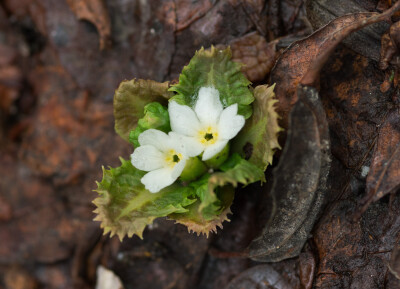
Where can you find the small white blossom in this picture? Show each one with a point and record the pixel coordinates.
(209, 125)
(163, 156)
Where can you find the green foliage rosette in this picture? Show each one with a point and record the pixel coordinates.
(194, 143)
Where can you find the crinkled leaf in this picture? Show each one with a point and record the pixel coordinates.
(213, 67)
(210, 206)
(237, 170)
(155, 116)
(130, 99)
(125, 207)
(216, 192)
(258, 140)
(195, 221)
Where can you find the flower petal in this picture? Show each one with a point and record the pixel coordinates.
(230, 123)
(147, 158)
(178, 168)
(208, 106)
(183, 119)
(155, 138)
(186, 145)
(155, 181)
(214, 149)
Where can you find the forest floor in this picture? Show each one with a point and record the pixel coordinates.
(60, 63)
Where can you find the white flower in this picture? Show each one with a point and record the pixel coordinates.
(163, 156)
(209, 125)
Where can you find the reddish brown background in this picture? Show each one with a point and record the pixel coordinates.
(60, 62)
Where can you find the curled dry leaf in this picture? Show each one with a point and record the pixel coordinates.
(256, 54)
(388, 50)
(394, 33)
(95, 12)
(195, 223)
(303, 60)
(299, 184)
(366, 41)
(390, 44)
(384, 174)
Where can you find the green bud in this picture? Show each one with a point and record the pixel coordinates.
(216, 161)
(194, 168)
(155, 116)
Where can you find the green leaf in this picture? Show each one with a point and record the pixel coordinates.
(216, 192)
(125, 207)
(195, 221)
(237, 170)
(130, 99)
(215, 68)
(258, 140)
(155, 116)
(210, 205)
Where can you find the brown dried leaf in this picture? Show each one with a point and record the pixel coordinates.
(388, 50)
(384, 175)
(96, 12)
(299, 186)
(366, 41)
(394, 33)
(390, 43)
(256, 54)
(355, 254)
(190, 11)
(354, 105)
(303, 60)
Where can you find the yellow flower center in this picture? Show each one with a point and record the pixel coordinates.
(172, 157)
(208, 136)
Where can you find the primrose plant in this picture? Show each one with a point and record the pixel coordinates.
(194, 142)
